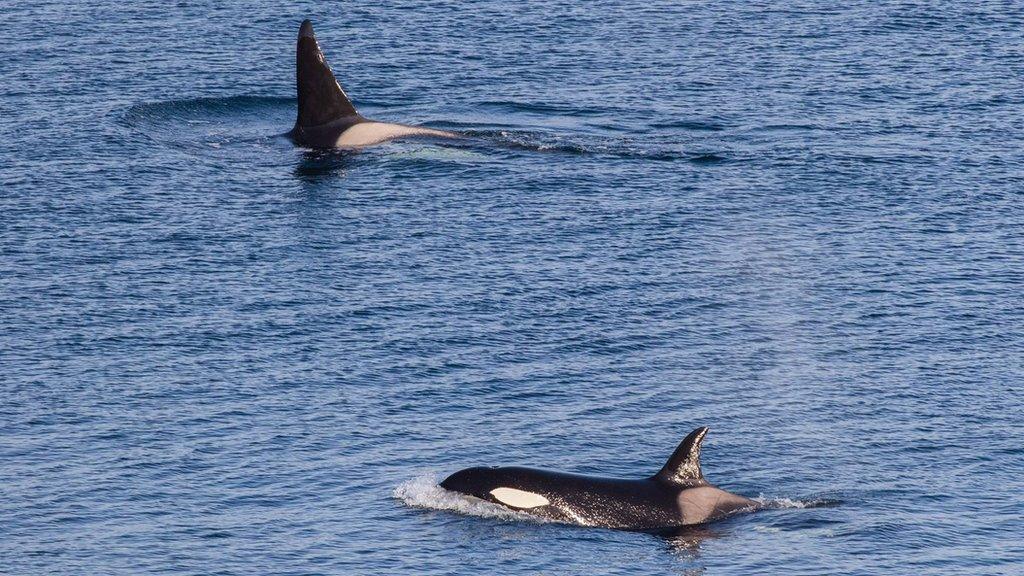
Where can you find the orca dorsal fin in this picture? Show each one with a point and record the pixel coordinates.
(321, 99)
(683, 467)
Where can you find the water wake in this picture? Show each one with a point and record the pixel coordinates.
(218, 122)
(781, 502)
(586, 145)
(203, 110)
(210, 122)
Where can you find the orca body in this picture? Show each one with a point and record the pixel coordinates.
(678, 495)
(327, 118)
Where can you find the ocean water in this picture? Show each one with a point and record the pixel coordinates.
(801, 225)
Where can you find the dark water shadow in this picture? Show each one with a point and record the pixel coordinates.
(686, 541)
(317, 166)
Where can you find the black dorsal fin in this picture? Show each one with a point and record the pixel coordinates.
(321, 99)
(683, 467)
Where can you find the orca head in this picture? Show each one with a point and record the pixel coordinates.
(494, 484)
(477, 481)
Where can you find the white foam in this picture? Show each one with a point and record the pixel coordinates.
(424, 492)
(780, 502)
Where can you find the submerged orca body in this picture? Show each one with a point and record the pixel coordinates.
(678, 495)
(327, 118)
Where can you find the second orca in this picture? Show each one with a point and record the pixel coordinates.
(327, 118)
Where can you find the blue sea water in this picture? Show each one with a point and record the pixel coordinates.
(800, 224)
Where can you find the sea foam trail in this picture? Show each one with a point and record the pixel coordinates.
(781, 502)
(424, 492)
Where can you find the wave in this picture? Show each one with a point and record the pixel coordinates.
(539, 108)
(585, 145)
(206, 108)
(210, 122)
(691, 125)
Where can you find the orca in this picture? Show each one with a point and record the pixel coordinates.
(677, 496)
(327, 118)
